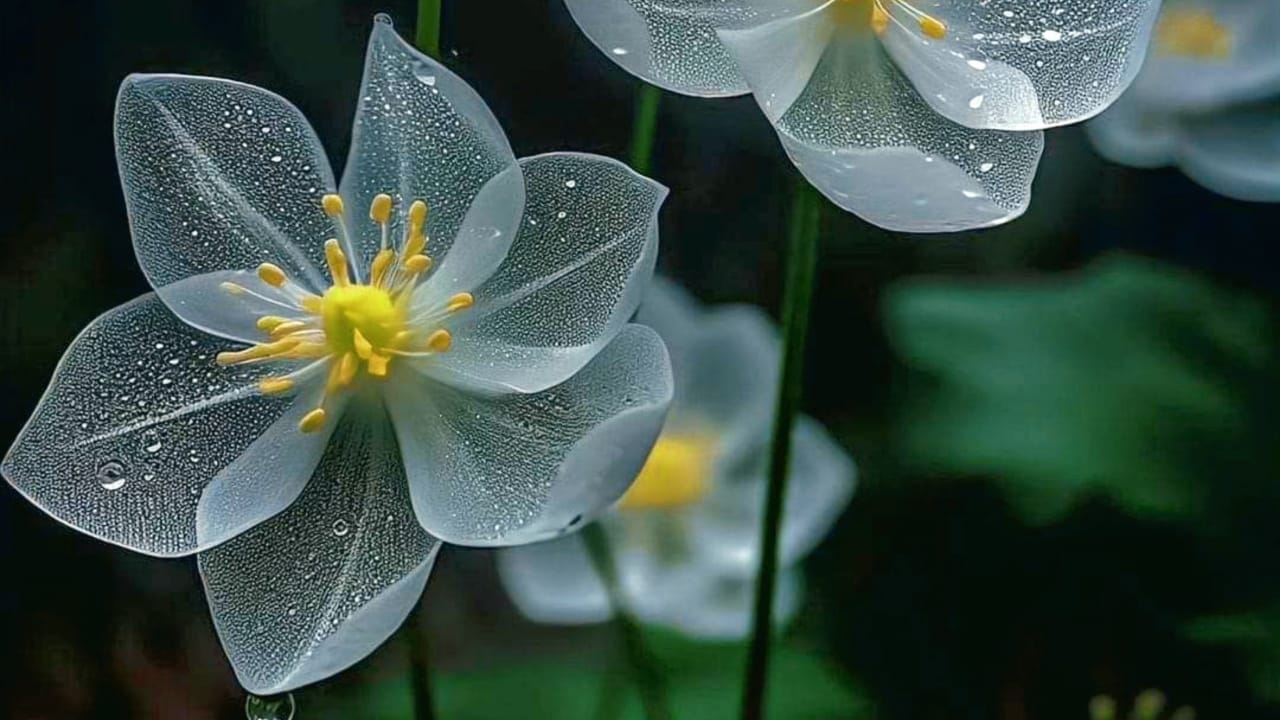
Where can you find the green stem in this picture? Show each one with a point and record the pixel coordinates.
(644, 127)
(428, 36)
(643, 667)
(802, 264)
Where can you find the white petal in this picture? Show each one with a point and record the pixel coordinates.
(778, 58)
(574, 275)
(143, 441)
(518, 468)
(422, 133)
(726, 526)
(1130, 134)
(316, 589)
(219, 175)
(1235, 153)
(864, 137)
(1074, 58)
(673, 312)
(205, 303)
(673, 44)
(1252, 72)
(554, 582)
(705, 605)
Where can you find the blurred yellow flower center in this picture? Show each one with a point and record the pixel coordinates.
(1195, 34)
(677, 473)
(879, 14)
(352, 327)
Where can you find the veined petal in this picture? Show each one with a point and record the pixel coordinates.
(143, 441)
(317, 588)
(574, 275)
(421, 133)
(1236, 152)
(227, 303)
(672, 43)
(219, 175)
(778, 58)
(864, 137)
(554, 582)
(1072, 57)
(517, 468)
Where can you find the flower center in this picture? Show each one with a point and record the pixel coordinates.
(1195, 34)
(353, 328)
(677, 473)
(880, 13)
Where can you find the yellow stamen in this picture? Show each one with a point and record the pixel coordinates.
(378, 365)
(461, 301)
(933, 27)
(347, 368)
(313, 304)
(267, 323)
(677, 473)
(417, 264)
(286, 328)
(312, 421)
(378, 268)
(1196, 34)
(418, 214)
(337, 262)
(364, 348)
(380, 209)
(257, 352)
(401, 339)
(275, 386)
(439, 341)
(879, 20)
(231, 288)
(272, 274)
(333, 205)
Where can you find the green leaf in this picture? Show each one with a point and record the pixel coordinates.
(1256, 635)
(1132, 380)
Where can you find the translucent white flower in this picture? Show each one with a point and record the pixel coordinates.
(315, 427)
(918, 115)
(686, 536)
(1207, 99)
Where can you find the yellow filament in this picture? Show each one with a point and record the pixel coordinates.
(347, 368)
(257, 352)
(231, 288)
(879, 20)
(313, 304)
(333, 205)
(288, 327)
(677, 473)
(272, 274)
(417, 264)
(337, 261)
(380, 209)
(461, 301)
(312, 421)
(275, 386)
(382, 261)
(378, 365)
(267, 323)
(439, 341)
(364, 348)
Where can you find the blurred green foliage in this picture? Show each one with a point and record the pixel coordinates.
(1254, 634)
(1133, 380)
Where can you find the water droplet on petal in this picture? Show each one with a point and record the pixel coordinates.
(341, 527)
(273, 707)
(111, 475)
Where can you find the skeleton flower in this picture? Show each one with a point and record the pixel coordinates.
(917, 115)
(1207, 99)
(378, 380)
(686, 536)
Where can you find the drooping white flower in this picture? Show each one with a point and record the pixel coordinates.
(1207, 99)
(328, 383)
(686, 536)
(918, 115)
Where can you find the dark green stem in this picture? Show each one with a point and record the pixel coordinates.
(644, 127)
(802, 257)
(428, 36)
(645, 670)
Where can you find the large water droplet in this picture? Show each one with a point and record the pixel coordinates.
(341, 527)
(111, 475)
(273, 707)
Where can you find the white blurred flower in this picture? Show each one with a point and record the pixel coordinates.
(382, 405)
(686, 537)
(917, 115)
(1207, 99)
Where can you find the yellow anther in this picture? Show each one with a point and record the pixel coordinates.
(378, 268)
(285, 328)
(677, 473)
(275, 386)
(439, 341)
(347, 368)
(417, 264)
(933, 27)
(378, 365)
(267, 323)
(418, 214)
(879, 19)
(1192, 33)
(313, 304)
(337, 262)
(333, 205)
(380, 208)
(364, 348)
(416, 243)
(231, 288)
(461, 301)
(312, 421)
(271, 274)
(401, 339)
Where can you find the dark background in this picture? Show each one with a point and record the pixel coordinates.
(932, 594)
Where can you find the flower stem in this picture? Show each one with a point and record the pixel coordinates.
(643, 667)
(428, 36)
(644, 127)
(802, 263)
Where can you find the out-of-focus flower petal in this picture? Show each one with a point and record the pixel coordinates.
(1130, 134)
(219, 175)
(575, 274)
(516, 468)
(554, 582)
(422, 133)
(143, 441)
(317, 588)
(1235, 152)
(704, 605)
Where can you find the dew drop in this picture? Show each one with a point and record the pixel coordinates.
(272, 707)
(341, 527)
(111, 475)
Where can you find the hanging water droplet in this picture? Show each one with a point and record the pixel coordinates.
(340, 527)
(111, 475)
(273, 707)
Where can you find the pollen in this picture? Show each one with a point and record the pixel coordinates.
(677, 473)
(355, 327)
(1195, 34)
(880, 15)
